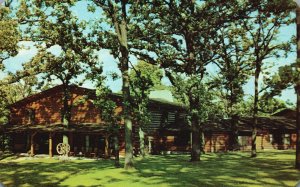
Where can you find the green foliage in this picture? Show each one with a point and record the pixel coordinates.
(108, 107)
(4, 112)
(143, 78)
(53, 25)
(108, 112)
(9, 35)
(234, 66)
(146, 77)
(267, 106)
(202, 103)
(271, 105)
(286, 77)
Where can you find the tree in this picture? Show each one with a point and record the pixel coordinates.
(51, 24)
(9, 33)
(108, 107)
(262, 27)
(184, 48)
(233, 73)
(202, 107)
(116, 39)
(286, 77)
(19, 90)
(143, 78)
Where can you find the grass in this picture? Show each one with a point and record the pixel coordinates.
(270, 168)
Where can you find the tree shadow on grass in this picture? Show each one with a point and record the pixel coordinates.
(230, 169)
(37, 173)
(222, 169)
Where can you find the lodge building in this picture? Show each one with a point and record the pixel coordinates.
(35, 127)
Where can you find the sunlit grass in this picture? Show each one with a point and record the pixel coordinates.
(270, 168)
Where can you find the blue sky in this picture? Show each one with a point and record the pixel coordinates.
(110, 64)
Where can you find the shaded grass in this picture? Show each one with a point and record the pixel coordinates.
(270, 168)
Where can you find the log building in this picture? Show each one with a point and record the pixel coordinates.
(35, 126)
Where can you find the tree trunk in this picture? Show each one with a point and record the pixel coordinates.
(126, 108)
(233, 140)
(196, 144)
(116, 150)
(66, 113)
(298, 91)
(255, 110)
(121, 31)
(142, 142)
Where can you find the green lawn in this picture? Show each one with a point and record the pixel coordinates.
(270, 168)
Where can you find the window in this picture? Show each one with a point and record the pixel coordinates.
(30, 115)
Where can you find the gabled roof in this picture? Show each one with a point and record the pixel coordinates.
(287, 112)
(48, 92)
(91, 92)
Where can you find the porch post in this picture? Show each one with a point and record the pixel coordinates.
(150, 139)
(87, 143)
(32, 144)
(106, 146)
(50, 145)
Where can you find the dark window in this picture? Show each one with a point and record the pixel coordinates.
(31, 115)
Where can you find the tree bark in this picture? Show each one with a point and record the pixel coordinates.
(255, 110)
(297, 165)
(233, 141)
(120, 26)
(196, 144)
(66, 113)
(126, 108)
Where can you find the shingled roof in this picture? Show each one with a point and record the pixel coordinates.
(274, 122)
(92, 93)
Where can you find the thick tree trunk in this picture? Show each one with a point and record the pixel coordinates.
(196, 142)
(126, 108)
(298, 91)
(255, 110)
(121, 31)
(142, 142)
(233, 140)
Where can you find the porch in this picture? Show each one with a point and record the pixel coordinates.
(85, 140)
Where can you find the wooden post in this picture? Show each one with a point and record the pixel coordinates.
(50, 145)
(87, 143)
(32, 144)
(106, 146)
(150, 139)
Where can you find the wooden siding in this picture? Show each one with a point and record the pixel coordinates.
(47, 109)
